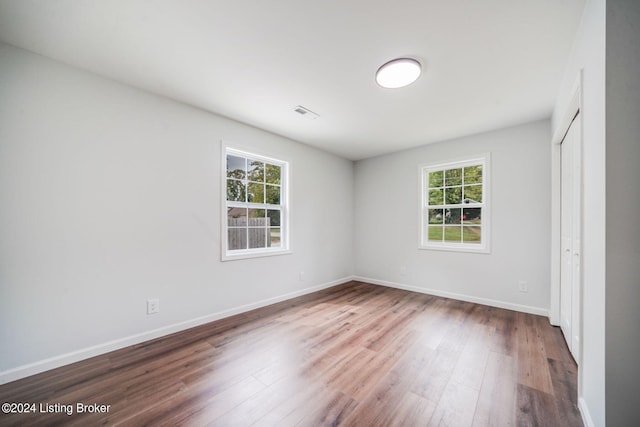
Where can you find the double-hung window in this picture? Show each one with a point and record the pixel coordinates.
(455, 208)
(255, 219)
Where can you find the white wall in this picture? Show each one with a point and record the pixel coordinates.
(387, 221)
(588, 55)
(110, 196)
(622, 202)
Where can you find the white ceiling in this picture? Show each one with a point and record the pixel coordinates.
(487, 63)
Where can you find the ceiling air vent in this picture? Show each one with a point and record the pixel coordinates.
(305, 112)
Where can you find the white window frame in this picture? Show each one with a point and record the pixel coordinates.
(237, 254)
(484, 245)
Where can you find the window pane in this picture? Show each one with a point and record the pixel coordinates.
(253, 184)
(436, 197)
(435, 179)
(473, 174)
(453, 177)
(436, 216)
(273, 174)
(236, 190)
(452, 216)
(472, 216)
(273, 194)
(257, 238)
(237, 238)
(255, 192)
(273, 218)
(435, 233)
(452, 233)
(453, 196)
(257, 217)
(274, 237)
(473, 194)
(237, 217)
(471, 234)
(256, 171)
(236, 167)
(453, 211)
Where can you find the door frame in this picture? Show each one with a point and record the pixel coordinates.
(572, 108)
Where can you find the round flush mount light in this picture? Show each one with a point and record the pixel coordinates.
(398, 73)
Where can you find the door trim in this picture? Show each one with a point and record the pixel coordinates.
(573, 107)
(571, 111)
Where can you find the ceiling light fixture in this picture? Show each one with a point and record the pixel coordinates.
(398, 73)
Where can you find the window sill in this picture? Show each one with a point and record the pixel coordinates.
(455, 248)
(254, 254)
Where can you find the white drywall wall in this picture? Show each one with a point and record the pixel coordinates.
(588, 55)
(110, 196)
(387, 192)
(623, 212)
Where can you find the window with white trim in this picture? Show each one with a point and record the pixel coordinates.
(455, 208)
(255, 219)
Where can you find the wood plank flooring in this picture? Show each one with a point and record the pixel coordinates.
(352, 355)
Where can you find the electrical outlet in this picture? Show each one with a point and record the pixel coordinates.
(522, 286)
(153, 306)
(302, 276)
(403, 270)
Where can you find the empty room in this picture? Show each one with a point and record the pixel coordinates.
(357, 213)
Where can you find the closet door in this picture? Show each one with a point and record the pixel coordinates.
(570, 231)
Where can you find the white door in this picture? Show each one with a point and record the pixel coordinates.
(570, 232)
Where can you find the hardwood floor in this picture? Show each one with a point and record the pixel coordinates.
(352, 355)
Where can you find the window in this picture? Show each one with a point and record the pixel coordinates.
(455, 211)
(255, 220)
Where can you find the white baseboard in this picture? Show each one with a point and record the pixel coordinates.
(584, 411)
(85, 353)
(484, 301)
